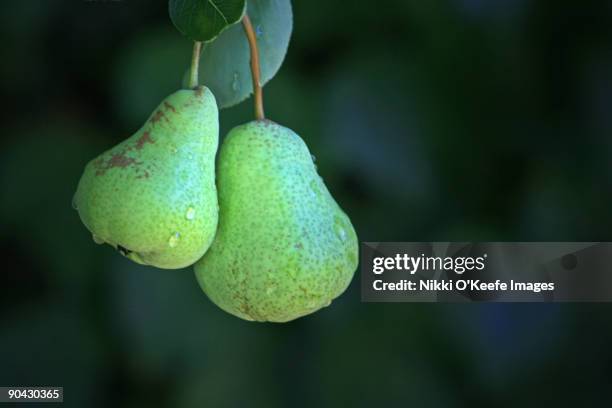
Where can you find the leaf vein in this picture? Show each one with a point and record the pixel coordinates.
(212, 3)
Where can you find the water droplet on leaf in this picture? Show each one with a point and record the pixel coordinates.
(258, 31)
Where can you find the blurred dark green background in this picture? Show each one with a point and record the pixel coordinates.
(430, 120)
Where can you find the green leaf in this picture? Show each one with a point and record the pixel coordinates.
(204, 20)
(225, 63)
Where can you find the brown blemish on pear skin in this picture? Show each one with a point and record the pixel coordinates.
(169, 106)
(198, 93)
(142, 140)
(160, 113)
(246, 309)
(157, 116)
(119, 160)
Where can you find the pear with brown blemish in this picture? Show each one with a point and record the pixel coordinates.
(284, 248)
(153, 196)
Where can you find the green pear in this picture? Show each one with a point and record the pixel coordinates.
(283, 248)
(153, 196)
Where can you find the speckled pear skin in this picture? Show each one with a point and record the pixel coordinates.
(153, 196)
(284, 248)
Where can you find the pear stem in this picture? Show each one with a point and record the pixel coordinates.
(195, 63)
(255, 71)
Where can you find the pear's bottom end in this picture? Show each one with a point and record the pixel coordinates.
(237, 303)
(275, 318)
(146, 259)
